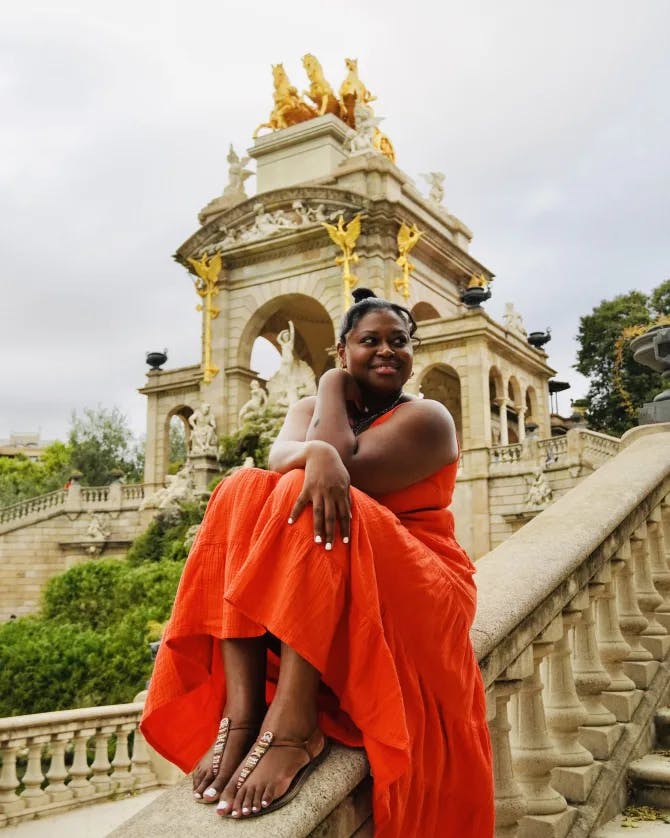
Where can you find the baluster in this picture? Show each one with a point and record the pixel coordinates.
(121, 762)
(101, 765)
(600, 732)
(575, 772)
(660, 573)
(510, 803)
(141, 771)
(533, 754)
(10, 802)
(57, 772)
(665, 519)
(621, 697)
(33, 793)
(80, 785)
(654, 637)
(632, 621)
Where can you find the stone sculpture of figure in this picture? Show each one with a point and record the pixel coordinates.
(513, 320)
(97, 528)
(237, 174)
(436, 182)
(289, 107)
(294, 378)
(203, 432)
(366, 125)
(539, 491)
(180, 488)
(258, 398)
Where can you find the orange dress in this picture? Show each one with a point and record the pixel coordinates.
(385, 619)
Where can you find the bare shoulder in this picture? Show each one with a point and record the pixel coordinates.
(428, 413)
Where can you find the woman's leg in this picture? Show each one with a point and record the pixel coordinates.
(244, 661)
(292, 715)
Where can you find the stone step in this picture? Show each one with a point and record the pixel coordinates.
(650, 780)
(334, 803)
(644, 828)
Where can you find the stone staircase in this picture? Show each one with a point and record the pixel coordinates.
(572, 640)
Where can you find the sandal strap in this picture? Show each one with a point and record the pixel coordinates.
(222, 738)
(309, 746)
(258, 752)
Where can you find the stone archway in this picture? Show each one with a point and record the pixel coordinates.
(182, 413)
(424, 311)
(442, 383)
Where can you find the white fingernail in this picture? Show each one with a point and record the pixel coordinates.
(317, 539)
(346, 539)
(329, 546)
(290, 520)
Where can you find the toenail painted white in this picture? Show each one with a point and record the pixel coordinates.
(245, 811)
(234, 813)
(210, 793)
(264, 803)
(254, 808)
(222, 806)
(197, 795)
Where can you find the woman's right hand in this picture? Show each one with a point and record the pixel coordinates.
(326, 487)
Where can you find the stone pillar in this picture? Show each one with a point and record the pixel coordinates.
(660, 573)
(654, 637)
(504, 430)
(510, 804)
(521, 420)
(205, 467)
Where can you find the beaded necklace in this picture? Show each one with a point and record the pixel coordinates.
(364, 423)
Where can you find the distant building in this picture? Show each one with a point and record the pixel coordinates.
(28, 444)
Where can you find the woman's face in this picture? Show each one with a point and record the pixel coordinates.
(378, 352)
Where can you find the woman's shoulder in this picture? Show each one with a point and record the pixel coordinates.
(427, 410)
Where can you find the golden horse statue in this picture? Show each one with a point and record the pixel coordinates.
(320, 92)
(289, 106)
(352, 90)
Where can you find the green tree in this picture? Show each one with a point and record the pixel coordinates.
(101, 442)
(596, 358)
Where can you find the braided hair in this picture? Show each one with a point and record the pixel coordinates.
(365, 301)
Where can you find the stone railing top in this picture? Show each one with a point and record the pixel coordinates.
(37, 724)
(36, 504)
(527, 580)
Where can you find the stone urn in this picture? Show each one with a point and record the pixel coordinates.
(474, 297)
(538, 339)
(652, 349)
(156, 359)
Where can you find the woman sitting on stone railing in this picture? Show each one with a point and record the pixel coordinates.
(367, 599)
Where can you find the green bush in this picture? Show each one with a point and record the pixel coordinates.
(164, 538)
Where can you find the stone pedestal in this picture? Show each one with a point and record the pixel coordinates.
(205, 467)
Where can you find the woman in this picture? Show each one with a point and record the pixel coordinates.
(366, 596)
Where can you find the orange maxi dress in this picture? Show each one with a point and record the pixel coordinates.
(385, 619)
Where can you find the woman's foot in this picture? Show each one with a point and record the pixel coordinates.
(275, 771)
(215, 769)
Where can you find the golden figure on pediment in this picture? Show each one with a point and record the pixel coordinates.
(352, 90)
(290, 108)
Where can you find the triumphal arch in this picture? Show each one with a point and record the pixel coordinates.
(333, 207)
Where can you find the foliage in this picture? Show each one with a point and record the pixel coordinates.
(101, 442)
(178, 450)
(90, 645)
(253, 439)
(597, 336)
(164, 537)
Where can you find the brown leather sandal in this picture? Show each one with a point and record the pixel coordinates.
(268, 739)
(219, 746)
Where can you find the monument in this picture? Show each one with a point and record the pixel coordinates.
(333, 208)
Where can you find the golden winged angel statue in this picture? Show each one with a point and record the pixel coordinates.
(345, 237)
(407, 238)
(207, 270)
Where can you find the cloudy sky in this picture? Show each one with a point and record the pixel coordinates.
(550, 120)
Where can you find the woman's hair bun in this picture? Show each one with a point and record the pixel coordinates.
(362, 294)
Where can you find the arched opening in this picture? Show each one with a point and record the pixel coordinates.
(497, 406)
(515, 429)
(532, 415)
(314, 333)
(442, 383)
(424, 311)
(177, 436)
(265, 358)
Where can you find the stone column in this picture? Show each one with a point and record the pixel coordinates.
(504, 432)
(521, 420)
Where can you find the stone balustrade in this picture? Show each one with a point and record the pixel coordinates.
(56, 761)
(578, 445)
(75, 499)
(572, 638)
